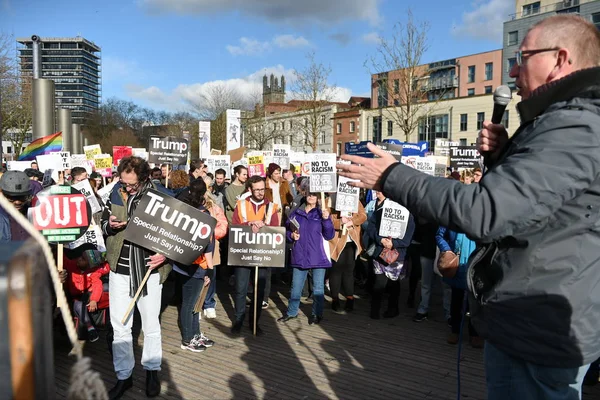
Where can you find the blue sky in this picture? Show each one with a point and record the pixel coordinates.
(160, 53)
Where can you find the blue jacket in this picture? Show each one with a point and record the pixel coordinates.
(445, 239)
(310, 252)
(372, 236)
(458, 243)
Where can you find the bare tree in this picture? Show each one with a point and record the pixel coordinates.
(260, 131)
(315, 94)
(402, 82)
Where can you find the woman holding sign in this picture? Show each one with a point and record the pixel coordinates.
(309, 226)
(192, 278)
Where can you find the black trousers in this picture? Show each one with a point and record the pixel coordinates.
(341, 275)
(414, 255)
(380, 284)
(456, 314)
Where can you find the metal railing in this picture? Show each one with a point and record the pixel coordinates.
(559, 6)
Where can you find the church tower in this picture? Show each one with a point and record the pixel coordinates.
(273, 90)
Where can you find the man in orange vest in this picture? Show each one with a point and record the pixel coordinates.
(254, 211)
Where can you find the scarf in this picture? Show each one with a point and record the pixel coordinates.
(137, 259)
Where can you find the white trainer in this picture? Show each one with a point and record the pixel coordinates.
(210, 313)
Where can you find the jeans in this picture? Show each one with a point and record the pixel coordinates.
(149, 308)
(428, 282)
(511, 378)
(341, 275)
(190, 291)
(210, 301)
(318, 283)
(242, 278)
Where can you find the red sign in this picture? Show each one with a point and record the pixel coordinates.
(61, 213)
(120, 152)
(256, 170)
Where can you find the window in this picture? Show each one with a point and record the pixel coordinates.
(489, 71)
(471, 92)
(339, 128)
(352, 126)
(376, 129)
(323, 137)
(505, 119)
(396, 102)
(274, 126)
(480, 119)
(291, 139)
(338, 149)
(305, 122)
(322, 120)
(596, 19)
(390, 128)
(513, 38)
(9, 149)
(291, 124)
(531, 8)
(462, 141)
(282, 125)
(434, 127)
(510, 63)
(488, 89)
(382, 94)
(471, 74)
(463, 122)
(396, 86)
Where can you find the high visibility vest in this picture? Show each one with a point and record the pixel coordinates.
(247, 213)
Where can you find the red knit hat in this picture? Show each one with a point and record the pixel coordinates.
(272, 168)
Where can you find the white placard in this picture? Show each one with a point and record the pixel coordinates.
(347, 197)
(281, 155)
(66, 159)
(233, 129)
(323, 172)
(104, 192)
(80, 160)
(93, 235)
(50, 161)
(204, 138)
(18, 165)
(394, 220)
(86, 189)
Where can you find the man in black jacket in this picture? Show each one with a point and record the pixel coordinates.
(535, 277)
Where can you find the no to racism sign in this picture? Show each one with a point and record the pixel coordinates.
(266, 248)
(170, 227)
(281, 155)
(86, 189)
(61, 213)
(322, 173)
(347, 197)
(168, 150)
(394, 220)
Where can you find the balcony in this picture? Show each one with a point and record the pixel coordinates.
(563, 6)
(441, 83)
(440, 65)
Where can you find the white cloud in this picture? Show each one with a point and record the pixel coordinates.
(486, 21)
(248, 87)
(249, 47)
(253, 47)
(371, 38)
(278, 11)
(285, 41)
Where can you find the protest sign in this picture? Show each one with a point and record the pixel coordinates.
(60, 213)
(80, 160)
(170, 227)
(18, 165)
(86, 189)
(428, 165)
(236, 154)
(347, 197)
(394, 220)
(120, 152)
(266, 248)
(105, 191)
(442, 147)
(322, 173)
(214, 152)
(234, 130)
(306, 167)
(391, 148)
(281, 155)
(91, 151)
(66, 159)
(103, 164)
(92, 236)
(168, 150)
(204, 138)
(47, 178)
(256, 166)
(50, 161)
(140, 152)
(297, 159)
(464, 157)
(222, 162)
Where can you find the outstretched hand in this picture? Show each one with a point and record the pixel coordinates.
(369, 172)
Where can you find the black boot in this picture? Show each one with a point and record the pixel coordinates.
(152, 384)
(349, 305)
(336, 306)
(120, 388)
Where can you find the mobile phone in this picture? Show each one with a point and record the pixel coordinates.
(118, 221)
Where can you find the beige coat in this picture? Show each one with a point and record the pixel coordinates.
(337, 244)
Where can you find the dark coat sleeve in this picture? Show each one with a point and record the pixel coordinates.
(551, 167)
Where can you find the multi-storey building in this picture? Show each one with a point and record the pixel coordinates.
(74, 64)
(527, 13)
(438, 88)
(347, 123)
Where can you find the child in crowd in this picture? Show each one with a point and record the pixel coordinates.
(85, 267)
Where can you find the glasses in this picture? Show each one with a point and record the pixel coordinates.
(131, 185)
(524, 53)
(258, 190)
(15, 199)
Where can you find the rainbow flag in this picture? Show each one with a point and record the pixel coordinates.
(41, 146)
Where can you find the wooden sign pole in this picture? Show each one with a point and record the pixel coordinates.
(167, 177)
(255, 299)
(137, 294)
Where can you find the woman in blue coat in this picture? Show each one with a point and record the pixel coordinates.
(309, 227)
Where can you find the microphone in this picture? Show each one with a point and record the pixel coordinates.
(502, 96)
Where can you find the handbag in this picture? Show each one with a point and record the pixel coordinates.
(448, 264)
(389, 256)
